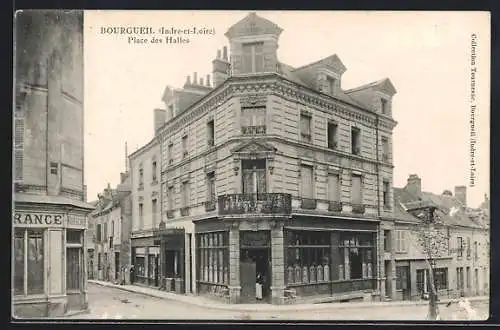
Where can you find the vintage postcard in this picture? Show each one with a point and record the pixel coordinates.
(233, 165)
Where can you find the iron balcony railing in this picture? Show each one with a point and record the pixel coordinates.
(253, 130)
(264, 203)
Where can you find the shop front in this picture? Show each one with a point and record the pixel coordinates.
(49, 259)
(145, 259)
(171, 259)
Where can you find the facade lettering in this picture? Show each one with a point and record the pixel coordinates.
(37, 219)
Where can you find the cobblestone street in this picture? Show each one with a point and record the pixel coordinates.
(112, 303)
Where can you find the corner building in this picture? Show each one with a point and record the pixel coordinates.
(49, 210)
(277, 171)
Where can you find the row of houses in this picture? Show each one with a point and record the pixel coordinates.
(277, 172)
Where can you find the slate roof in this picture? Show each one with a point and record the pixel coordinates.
(450, 209)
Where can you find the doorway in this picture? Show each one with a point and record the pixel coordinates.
(255, 266)
(117, 266)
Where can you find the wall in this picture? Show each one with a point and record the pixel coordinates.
(49, 64)
(150, 189)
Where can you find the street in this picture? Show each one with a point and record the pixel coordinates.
(111, 303)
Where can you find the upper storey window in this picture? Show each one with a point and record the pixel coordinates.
(253, 57)
(253, 120)
(384, 106)
(330, 85)
(305, 127)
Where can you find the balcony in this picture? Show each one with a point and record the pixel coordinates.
(253, 130)
(358, 208)
(335, 206)
(266, 203)
(308, 204)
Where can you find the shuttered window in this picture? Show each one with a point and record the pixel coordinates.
(307, 181)
(333, 187)
(356, 189)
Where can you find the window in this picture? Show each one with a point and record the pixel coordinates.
(332, 136)
(141, 176)
(18, 148)
(170, 196)
(383, 106)
(213, 253)
(330, 85)
(171, 111)
(305, 127)
(99, 261)
(333, 187)
(28, 262)
(74, 268)
(358, 256)
(141, 217)
(254, 176)
(467, 276)
(385, 149)
(211, 197)
(185, 198)
(170, 154)
(98, 233)
(401, 241)
(54, 168)
(210, 133)
(468, 247)
(154, 170)
(387, 240)
(460, 278)
(253, 120)
(402, 273)
(154, 205)
(387, 201)
(476, 254)
(356, 141)
(308, 258)
(306, 175)
(184, 146)
(356, 197)
(460, 247)
(105, 233)
(440, 279)
(253, 57)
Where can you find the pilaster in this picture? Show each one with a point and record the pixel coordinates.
(234, 264)
(278, 264)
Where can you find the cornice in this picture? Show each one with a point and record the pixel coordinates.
(274, 84)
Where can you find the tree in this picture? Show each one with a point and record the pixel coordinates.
(433, 242)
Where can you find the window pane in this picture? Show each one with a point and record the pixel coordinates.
(259, 62)
(73, 267)
(35, 262)
(19, 262)
(247, 60)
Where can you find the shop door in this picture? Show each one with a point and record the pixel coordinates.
(248, 275)
(403, 273)
(117, 266)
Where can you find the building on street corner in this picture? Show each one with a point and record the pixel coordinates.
(49, 207)
(272, 173)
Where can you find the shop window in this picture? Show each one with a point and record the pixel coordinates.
(74, 268)
(140, 268)
(28, 262)
(440, 279)
(74, 236)
(308, 258)
(173, 263)
(357, 256)
(213, 254)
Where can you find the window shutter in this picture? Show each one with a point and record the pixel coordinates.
(333, 187)
(306, 176)
(356, 189)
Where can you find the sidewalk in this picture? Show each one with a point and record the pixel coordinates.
(206, 302)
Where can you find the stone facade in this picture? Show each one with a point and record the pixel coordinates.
(49, 165)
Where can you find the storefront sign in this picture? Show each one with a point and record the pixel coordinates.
(76, 220)
(37, 219)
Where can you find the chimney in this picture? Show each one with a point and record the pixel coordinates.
(220, 71)
(188, 80)
(219, 54)
(461, 194)
(208, 80)
(195, 78)
(201, 81)
(160, 117)
(414, 185)
(224, 53)
(123, 177)
(84, 197)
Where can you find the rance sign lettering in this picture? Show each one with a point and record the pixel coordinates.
(37, 219)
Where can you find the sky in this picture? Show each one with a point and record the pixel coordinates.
(426, 55)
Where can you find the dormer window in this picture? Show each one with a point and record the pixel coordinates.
(253, 57)
(383, 106)
(330, 85)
